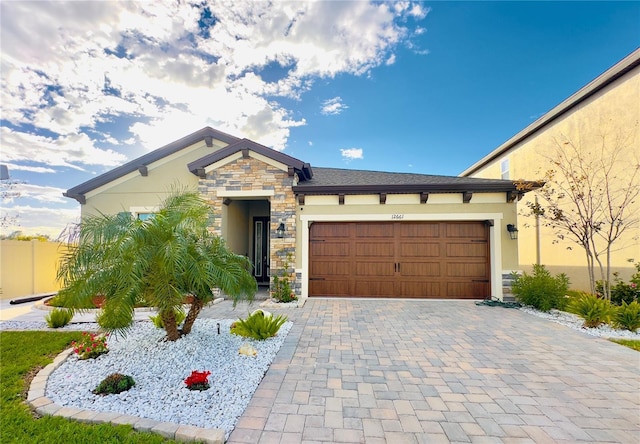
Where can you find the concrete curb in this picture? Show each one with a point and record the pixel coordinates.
(44, 406)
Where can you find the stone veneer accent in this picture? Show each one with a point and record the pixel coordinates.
(507, 283)
(249, 174)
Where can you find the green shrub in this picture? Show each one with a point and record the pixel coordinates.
(114, 383)
(281, 289)
(628, 316)
(541, 290)
(157, 320)
(258, 325)
(592, 309)
(622, 291)
(58, 317)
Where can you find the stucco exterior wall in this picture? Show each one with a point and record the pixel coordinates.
(135, 190)
(613, 112)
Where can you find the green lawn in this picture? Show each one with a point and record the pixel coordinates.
(631, 343)
(22, 354)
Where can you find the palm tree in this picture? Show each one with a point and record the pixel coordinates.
(159, 261)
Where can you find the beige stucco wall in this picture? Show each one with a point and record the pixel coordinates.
(135, 190)
(614, 112)
(29, 267)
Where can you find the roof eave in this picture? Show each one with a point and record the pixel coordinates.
(147, 159)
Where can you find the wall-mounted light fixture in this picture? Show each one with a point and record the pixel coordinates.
(513, 231)
(280, 230)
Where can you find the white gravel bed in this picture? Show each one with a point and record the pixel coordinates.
(38, 325)
(159, 368)
(575, 322)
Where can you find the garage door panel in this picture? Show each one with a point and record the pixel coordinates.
(419, 230)
(330, 268)
(465, 230)
(375, 230)
(379, 288)
(419, 249)
(421, 289)
(466, 270)
(374, 269)
(467, 250)
(329, 288)
(426, 269)
(467, 290)
(329, 249)
(375, 249)
(330, 230)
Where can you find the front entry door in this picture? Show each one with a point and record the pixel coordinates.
(261, 249)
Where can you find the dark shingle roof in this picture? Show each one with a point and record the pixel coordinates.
(335, 180)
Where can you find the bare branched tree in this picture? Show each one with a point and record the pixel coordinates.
(8, 192)
(590, 196)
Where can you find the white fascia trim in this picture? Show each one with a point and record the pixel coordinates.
(246, 193)
(495, 244)
(151, 166)
(235, 156)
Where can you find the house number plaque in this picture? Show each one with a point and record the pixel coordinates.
(397, 216)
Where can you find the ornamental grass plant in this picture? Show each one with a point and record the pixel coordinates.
(258, 325)
(58, 317)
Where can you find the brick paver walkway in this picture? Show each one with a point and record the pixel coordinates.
(439, 371)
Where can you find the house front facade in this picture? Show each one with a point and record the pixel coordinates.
(336, 232)
(602, 121)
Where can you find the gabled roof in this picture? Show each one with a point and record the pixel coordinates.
(140, 164)
(244, 145)
(621, 68)
(342, 181)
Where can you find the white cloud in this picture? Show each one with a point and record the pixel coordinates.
(33, 169)
(58, 61)
(333, 106)
(350, 154)
(41, 193)
(68, 150)
(391, 60)
(41, 220)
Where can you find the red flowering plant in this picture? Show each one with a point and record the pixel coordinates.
(91, 345)
(198, 380)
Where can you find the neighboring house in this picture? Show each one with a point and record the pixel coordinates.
(608, 106)
(350, 233)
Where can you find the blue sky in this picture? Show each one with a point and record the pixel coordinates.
(423, 87)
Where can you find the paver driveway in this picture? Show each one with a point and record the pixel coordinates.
(439, 371)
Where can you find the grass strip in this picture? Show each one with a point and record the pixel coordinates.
(22, 355)
(631, 343)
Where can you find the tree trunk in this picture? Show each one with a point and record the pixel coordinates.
(194, 311)
(170, 326)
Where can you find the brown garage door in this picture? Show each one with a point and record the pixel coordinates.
(399, 259)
